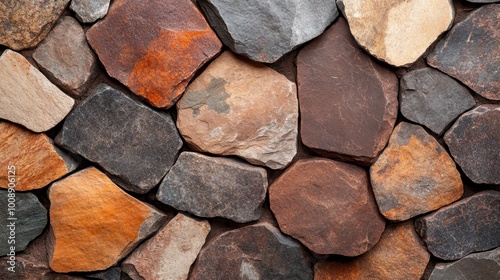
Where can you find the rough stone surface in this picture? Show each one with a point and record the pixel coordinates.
(88, 11)
(171, 252)
(328, 206)
(469, 225)
(129, 140)
(470, 52)
(215, 187)
(238, 107)
(27, 97)
(474, 143)
(113, 273)
(156, 46)
(414, 175)
(266, 30)
(432, 98)
(355, 104)
(253, 252)
(91, 216)
(482, 1)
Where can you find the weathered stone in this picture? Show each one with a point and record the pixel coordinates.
(470, 52)
(395, 31)
(238, 107)
(355, 104)
(65, 57)
(94, 223)
(156, 46)
(469, 225)
(482, 1)
(400, 254)
(474, 142)
(215, 187)
(24, 23)
(88, 11)
(432, 98)
(328, 206)
(414, 175)
(27, 97)
(171, 252)
(129, 140)
(266, 30)
(113, 273)
(253, 252)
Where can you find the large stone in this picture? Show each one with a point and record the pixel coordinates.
(170, 253)
(470, 52)
(129, 140)
(27, 97)
(94, 223)
(88, 11)
(238, 107)
(347, 110)
(328, 206)
(253, 252)
(474, 142)
(414, 175)
(215, 187)
(469, 225)
(155, 47)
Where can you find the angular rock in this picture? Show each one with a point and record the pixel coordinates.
(27, 97)
(266, 30)
(355, 104)
(474, 143)
(91, 216)
(88, 11)
(253, 252)
(242, 108)
(129, 140)
(215, 187)
(113, 273)
(156, 47)
(470, 52)
(171, 252)
(328, 206)
(469, 225)
(432, 98)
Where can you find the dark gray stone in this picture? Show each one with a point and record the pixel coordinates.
(482, 1)
(113, 273)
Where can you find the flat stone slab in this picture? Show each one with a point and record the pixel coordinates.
(88, 11)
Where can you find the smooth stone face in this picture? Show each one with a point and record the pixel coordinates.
(88, 11)
(328, 206)
(258, 251)
(156, 46)
(474, 224)
(242, 108)
(347, 110)
(215, 187)
(470, 52)
(27, 97)
(129, 140)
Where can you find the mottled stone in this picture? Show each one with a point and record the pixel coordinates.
(94, 223)
(27, 97)
(156, 46)
(88, 11)
(242, 108)
(469, 225)
(253, 252)
(328, 206)
(215, 187)
(347, 110)
(129, 140)
(113, 273)
(474, 143)
(470, 52)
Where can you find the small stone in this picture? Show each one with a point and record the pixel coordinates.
(242, 108)
(474, 143)
(394, 31)
(258, 251)
(328, 206)
(88, 11)
(355, 104)
(171, 252)
(129, 140)
(156, 48)
(467, 226)
(482, 1)
(91, 216)
(215, 187)
(27, 97)
(113, 273)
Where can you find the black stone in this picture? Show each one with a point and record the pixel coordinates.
(113, 273)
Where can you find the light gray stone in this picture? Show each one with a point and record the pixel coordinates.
(88, 11)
